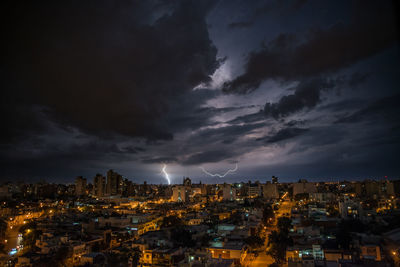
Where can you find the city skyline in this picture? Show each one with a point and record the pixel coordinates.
(296, 89)
(174, 179)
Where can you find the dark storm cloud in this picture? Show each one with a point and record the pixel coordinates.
(190, 112)
(133, 149)
(347, 104)
(280, 7)
(386, 109)
(389, 137)
(288, 57)
(160, 160)
(209, 156)
(95, 148)
(319, 136)
(249, 118)
(93, 64)
(231, 132)
(93, 85)
(21, 120)
(293, 123)
(306, 96)
(358, 78)
(284, 134)
(240, 24)
(212, 145)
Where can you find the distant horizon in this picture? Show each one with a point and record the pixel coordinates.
(210, 180)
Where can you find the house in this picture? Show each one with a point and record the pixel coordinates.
(230, 250)
(93, 258)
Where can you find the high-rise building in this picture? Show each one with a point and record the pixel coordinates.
(114, 183)
(80, 186)
(396, 187)
(180, 193)
(99, 185)
(228, 192)
(270, 190)
(187, 181)
(274, 179)
(304, 187)
(386, 188)
(350, 208)
(371, 188)
(253, 189)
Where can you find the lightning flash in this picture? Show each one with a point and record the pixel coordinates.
(220, 175)
(166, 174)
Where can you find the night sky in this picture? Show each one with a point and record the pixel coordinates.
(296, 89)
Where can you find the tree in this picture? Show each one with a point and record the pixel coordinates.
(30, 234)
(127, 255)
(205, 240)
(3, 228)
(136, 254)
(345, 228)
(30, 225)
(333, 212)
(268, 213)
(61, 256)
(171, 221)
(254, 242)
(258, 202)
(182, 237)
(279, 240)
(113, 258)
(301, 196)
(236, 218)
(276, 248)
(284, 224)
(212, 222)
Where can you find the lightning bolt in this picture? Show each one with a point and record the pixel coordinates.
(220, 175)
(166, 174)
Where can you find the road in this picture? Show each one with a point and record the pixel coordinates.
(285, 208)
(262, 260)
(13, 240)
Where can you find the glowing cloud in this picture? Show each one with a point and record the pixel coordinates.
(166, 174)
(220, 175)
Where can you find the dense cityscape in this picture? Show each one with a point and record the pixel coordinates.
(200, 133)
(109, 220)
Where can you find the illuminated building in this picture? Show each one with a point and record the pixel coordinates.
(180, 193)
(228, 192)
(114, 183)
(304, 187)
(80, 186)
(253, 190)
(99, 185)
(187, 181)
(270, 190)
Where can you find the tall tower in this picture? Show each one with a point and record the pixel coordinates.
(187, 181)
(80, 186)
(114, 183)
(99, 185)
